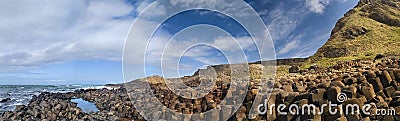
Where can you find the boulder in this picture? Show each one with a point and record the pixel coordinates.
(298, 88)
(350, 80)
(294, 69)
(318, 96)
(314, 67)
(19, 108)
(379, 56)
(352, 115)
(354, 31)
(5, 100)
(332, 93)
(287, 88)
(389, 91)
(323, 84)
(386, 79)
(368, 92)
(376, 83)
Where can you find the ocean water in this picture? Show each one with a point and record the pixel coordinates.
(22, 94)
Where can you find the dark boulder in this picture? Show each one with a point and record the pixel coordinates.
(355, 31)
(379, 56)
(294, 69)
(5, 100)
(315, 67)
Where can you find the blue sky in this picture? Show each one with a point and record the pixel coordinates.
(81, 41)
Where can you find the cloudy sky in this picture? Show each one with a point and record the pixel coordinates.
(81, 41)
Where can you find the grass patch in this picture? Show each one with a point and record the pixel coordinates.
(380, 38)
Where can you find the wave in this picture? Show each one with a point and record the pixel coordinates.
(21, 94)
(19, 103)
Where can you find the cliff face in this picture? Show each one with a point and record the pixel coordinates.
(371, 27)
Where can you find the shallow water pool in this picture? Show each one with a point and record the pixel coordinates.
(86, 106)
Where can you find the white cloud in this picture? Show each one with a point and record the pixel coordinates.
(282, 21)
(204, 54)
(226, 6)
(159, 9)
(292, 44)
(307, 49)
(229, 44)
(197, 3)
(289, 46)
(317, 6)
(34, 33)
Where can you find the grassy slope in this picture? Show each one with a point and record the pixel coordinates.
(381, 38)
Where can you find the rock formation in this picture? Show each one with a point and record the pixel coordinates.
(371, 27)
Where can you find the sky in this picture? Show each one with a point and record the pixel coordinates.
(82, 41)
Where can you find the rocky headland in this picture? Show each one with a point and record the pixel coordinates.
(374, 82)
(360, 60)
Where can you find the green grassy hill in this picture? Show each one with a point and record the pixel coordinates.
(372, 27)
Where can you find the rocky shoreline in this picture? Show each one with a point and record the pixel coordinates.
(374, 82)
(113, 105)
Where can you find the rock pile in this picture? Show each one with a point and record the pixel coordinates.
(113, 105)
(47, 106)
(363, 82)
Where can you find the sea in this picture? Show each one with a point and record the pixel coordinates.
(14, 95)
